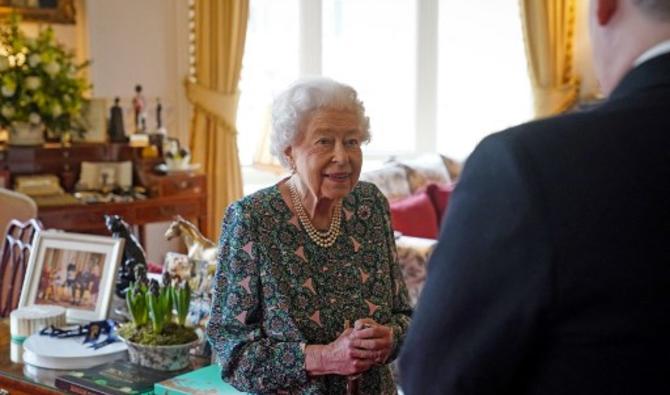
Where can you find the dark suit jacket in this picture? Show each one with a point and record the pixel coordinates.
(552, 273)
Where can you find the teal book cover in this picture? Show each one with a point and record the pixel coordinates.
(204, 381)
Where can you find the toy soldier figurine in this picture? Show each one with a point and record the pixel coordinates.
(116, 130)
(139, 106)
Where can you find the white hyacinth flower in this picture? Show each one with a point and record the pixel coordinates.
(52, 68)
(8, 91)
(34, 60)
(7, 111)
(33, 83)
(34, 118)
(56, 110)
(4, 63)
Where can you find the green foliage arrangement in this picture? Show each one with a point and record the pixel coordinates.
(39, 81)
(158, 312)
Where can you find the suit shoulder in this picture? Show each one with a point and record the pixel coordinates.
(552, 135)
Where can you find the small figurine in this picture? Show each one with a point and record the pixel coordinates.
(116, 130)
(133, 253)
(159, 114)
(139, 105)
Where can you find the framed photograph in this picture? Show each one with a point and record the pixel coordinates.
(94, 114)
(72, 270)
(50, 11)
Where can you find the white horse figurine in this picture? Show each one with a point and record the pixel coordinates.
(198, 246)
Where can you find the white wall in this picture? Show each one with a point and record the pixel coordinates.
(143, 42)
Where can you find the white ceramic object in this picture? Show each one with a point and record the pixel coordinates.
(68, 353)
(175, 357)
(24, 133)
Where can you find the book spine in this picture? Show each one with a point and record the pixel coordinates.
(74, 388)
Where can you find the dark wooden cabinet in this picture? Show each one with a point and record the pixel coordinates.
(175, 184)
(63, 161)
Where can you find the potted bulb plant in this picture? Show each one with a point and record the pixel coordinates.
(157, 335)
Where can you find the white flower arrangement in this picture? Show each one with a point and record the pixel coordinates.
(39, 81)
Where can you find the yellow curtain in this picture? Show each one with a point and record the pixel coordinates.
(221, 27)
(549, 27)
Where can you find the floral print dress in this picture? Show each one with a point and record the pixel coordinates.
(276, 291)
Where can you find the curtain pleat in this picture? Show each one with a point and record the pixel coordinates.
(220, 34)
(549, 27)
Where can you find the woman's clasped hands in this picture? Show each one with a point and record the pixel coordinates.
(354, 351)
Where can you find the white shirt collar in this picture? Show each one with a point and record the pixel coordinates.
(656, 50)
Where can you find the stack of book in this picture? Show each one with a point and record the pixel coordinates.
(122, 378)
(116, 378)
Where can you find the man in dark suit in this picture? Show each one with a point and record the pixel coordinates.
(552, 273)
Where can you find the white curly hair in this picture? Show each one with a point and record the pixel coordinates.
(296, 103)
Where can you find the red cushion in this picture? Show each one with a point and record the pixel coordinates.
(415, 216)
(439, 195)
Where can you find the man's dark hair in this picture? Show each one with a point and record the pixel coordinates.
(657, 9)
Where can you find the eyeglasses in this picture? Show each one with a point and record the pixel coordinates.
(91, 332)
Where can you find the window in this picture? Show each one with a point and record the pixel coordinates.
(483, 79)
(435, 75)
(370, 44)
(269, 65)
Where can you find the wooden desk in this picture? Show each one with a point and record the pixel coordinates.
(180, 193)
(13, 380)
(89, 218)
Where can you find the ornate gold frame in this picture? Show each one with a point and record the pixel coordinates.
(64, 13)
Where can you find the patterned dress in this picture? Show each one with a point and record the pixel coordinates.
(277, 291)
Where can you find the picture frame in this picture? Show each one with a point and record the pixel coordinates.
(95, 118)
(76, 271)
(49, 11)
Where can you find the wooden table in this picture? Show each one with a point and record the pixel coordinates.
(14, 377)
(20, 379)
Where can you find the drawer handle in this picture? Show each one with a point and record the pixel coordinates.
(183, 185)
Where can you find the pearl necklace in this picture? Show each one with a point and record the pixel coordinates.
(322, 239)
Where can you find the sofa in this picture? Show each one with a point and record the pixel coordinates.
(418, 192)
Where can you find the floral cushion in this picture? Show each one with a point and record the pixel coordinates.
(391, 181)
(425, 169)
(453, 167)
(413, 256)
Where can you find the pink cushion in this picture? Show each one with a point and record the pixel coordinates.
(439, 195)
(415, 216)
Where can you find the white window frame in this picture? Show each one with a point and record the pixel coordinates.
(425, 106)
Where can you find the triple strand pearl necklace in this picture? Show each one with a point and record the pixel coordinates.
(322, 239)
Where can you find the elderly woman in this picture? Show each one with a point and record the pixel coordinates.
(309, 297)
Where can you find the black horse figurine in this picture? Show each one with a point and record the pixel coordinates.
(133, 253)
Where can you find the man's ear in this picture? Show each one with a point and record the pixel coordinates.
(605, 10)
